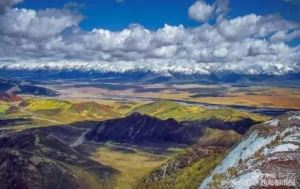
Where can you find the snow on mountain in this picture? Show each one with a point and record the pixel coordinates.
(165, 68)
(268, 156)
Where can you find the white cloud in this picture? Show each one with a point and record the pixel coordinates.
(51, 38)
(220, 52)
(6, 4)
(200, 11)
(221, 8)
(36, 24)
(254, 26)
(284, 35)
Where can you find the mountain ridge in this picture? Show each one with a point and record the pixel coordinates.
(266, 157)
(289, 78)
(141, 128)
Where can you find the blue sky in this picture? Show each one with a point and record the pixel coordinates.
(117, 15)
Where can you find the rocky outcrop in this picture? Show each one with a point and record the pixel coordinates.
(185, 170)
(138, 128)
(267, 157)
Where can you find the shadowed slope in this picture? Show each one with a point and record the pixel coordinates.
(37, 160)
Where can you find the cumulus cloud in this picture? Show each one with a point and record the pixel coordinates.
(52, 39)
(200, 11)
(6, 4)
(221, 8)
(254, 26)
(36, 24)
(285, 36)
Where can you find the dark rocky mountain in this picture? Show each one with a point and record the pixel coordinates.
(32, 159)
(8, 86)
(139, 128)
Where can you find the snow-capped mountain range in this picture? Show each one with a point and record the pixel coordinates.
(167, 68)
